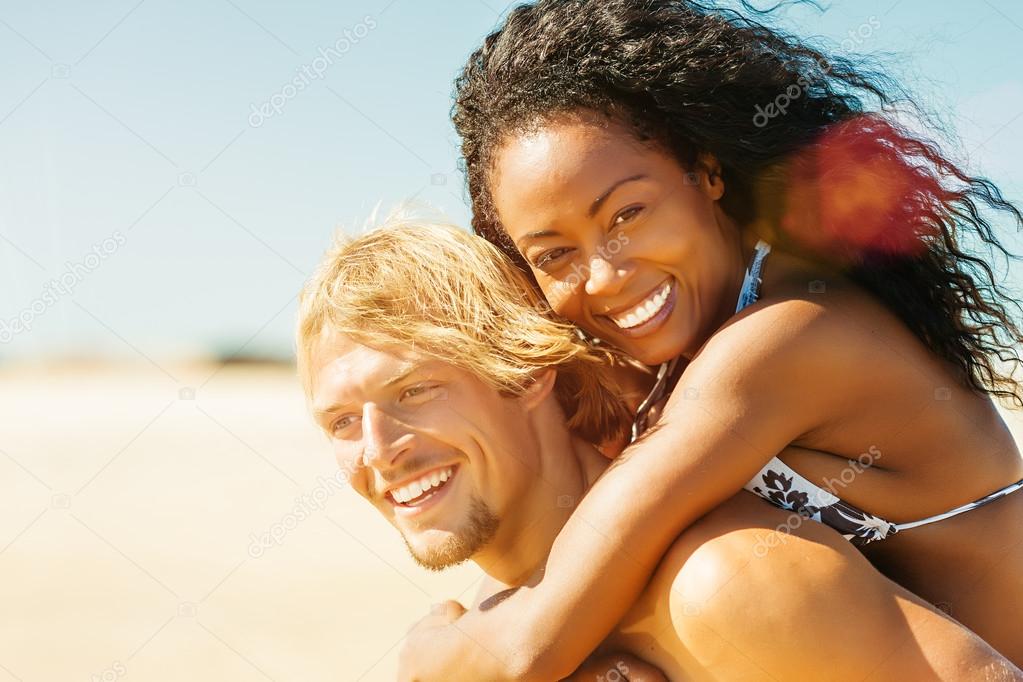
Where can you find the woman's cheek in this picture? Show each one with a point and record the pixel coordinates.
(563, 295)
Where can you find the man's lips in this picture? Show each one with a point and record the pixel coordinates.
(420, 487)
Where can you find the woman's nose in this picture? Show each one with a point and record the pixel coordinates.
(605, 278)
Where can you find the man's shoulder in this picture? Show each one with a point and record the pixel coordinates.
(492, 592)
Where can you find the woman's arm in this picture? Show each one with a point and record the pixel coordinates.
(744, 398)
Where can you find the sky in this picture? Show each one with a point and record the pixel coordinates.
(166, 186)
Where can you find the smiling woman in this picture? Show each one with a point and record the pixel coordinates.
(831, 181)
(682, 248)
(809, 273)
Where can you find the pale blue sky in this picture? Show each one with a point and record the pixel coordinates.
(133, 121)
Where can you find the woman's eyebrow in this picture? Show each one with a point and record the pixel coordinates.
(599, 201)
(538, 234)
(592, 211)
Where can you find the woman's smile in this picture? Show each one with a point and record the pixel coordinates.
(620, 239)
(647, 315)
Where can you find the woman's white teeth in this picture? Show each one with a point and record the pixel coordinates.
(645, 310)
(411, 491)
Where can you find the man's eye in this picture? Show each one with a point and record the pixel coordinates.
(549, 257)
(627, 215)
(418, 391)
(342, 423)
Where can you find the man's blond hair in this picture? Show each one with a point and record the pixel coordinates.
(450, 295)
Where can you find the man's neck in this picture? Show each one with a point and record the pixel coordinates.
(568, 467)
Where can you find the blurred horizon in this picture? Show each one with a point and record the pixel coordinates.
(172, 172)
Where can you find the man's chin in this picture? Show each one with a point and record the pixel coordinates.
(436, 549)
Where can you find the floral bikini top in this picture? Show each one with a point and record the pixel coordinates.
(783, 487)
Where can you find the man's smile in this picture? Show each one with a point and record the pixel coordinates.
(424, 491)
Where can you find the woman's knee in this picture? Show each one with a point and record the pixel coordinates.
(748, 561)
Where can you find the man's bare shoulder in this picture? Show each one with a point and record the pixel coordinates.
(491, 592)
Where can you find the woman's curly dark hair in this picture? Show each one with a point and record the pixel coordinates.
(796, 130)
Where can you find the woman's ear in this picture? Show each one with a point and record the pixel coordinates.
(536, 392)
(711, 181)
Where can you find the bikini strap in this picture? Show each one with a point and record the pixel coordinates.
(969, 506)
(750, 291)
(664, 373)
(748, 294)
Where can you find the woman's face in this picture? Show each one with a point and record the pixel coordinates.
(624, 242)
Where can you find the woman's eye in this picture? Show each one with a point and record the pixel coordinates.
(549, 257)
(627, 215)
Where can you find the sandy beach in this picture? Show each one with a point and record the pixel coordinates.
(187, 523)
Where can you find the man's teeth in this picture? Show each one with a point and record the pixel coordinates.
(644, 310)
(414, 489)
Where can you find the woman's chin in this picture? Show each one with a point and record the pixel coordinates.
(663, 344)
(655, 356)
(652, 351)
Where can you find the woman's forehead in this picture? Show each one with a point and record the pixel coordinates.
(566, 168)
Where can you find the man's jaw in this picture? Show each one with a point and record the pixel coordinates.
(444, 524)
(457, 546)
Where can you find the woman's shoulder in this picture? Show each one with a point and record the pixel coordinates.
(793, 317)
(816, 328)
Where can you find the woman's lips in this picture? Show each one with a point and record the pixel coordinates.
(648, 314)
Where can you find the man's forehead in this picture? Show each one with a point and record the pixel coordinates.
(338, 362)
(332, 346)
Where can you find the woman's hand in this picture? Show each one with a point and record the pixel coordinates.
(423, 657)
(423, 641)
(616, 667)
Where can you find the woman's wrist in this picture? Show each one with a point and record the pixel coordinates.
(452, 645)
(493, 652)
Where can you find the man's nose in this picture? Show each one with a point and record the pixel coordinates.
(384, 438)
(605, 277)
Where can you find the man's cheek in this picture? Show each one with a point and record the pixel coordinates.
(358, 479)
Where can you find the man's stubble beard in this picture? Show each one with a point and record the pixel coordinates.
(478, 529)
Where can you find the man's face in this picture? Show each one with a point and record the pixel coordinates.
(441, 454)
